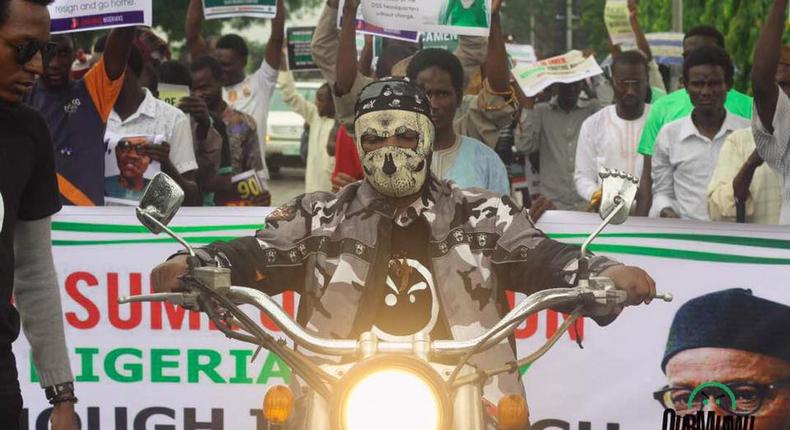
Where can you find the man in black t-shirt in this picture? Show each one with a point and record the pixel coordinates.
(29, 198)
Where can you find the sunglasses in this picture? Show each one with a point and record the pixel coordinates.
(25, 52)
(126, 146)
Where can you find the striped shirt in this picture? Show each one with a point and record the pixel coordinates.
(774, 148)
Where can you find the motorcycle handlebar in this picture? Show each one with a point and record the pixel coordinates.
(443, 348)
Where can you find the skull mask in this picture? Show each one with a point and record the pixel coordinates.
(393, 118)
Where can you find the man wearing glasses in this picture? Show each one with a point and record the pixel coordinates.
(730, 347)
(28, 198)
(77, 112)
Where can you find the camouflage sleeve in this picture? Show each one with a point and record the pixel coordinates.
(265, 261)
(528, 260)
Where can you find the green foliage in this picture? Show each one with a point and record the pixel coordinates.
(739, 20)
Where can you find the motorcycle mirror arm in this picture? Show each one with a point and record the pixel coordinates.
(584, 259)
(167, 230)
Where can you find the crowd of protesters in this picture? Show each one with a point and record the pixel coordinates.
(693, 149)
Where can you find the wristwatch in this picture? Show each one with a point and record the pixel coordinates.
(60, 393)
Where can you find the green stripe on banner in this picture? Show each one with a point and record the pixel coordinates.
(114, 228)
(727, 240)
(680, 254)
(200, 240)
(672, 253)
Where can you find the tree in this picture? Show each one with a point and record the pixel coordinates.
(739, 20)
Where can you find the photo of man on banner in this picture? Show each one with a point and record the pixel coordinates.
(464, 13)
(728, 353)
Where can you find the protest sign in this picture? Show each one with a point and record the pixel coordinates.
(521, 54)
(667, 48)
(127, 168)
(248, 187)
(300, 56)
(172, 94)
(82, 15)
(567, 68)
(217, 9)
(448, 42)
(365, 27)
(154, 365)
(618, 22)
(462, 17)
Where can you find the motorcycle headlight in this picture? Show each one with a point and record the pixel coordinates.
(391, 392)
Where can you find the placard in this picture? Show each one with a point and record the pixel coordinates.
(70, 16)
(127, 168)
(300, 56)
(365, 27)
(567, 68)
(172, 94)
(618, 22)
(462, 17)
(448, 42)
(217, 9)
(521, 54)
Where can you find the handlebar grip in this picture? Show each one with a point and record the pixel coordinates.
(667, 297)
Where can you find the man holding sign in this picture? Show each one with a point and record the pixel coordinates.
(248, 94)
(77, 112)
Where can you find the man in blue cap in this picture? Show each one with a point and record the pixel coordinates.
(730, 338)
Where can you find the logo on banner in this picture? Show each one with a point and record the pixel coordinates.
(725, 399)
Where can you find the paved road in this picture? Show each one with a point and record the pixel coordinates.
(288, 185)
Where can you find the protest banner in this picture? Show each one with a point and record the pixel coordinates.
(83, 15)
(365, 27)
(217, 9)
(567, 68)
(618, 22)
(448, 42)
(461, 17)
(127, 168)
(172, 94)
(153, 365)
(521, 54)
(300, 56)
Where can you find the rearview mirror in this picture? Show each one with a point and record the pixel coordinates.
(161, 200)
(617, 196)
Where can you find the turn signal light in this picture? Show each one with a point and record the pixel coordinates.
(278, 404)
(513, 412)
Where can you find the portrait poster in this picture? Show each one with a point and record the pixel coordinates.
(70, 16)
(127, 168)
(218, 9)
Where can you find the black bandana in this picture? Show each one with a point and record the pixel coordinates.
(392, 94)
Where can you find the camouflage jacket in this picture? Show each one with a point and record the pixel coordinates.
(333, 249)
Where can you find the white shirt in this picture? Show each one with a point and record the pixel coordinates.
(319, 166)
(155, 117)
(606, 140)
(253, 96)
(775, 148)
(683, 164)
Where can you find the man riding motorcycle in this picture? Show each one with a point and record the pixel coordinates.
(403, 252)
